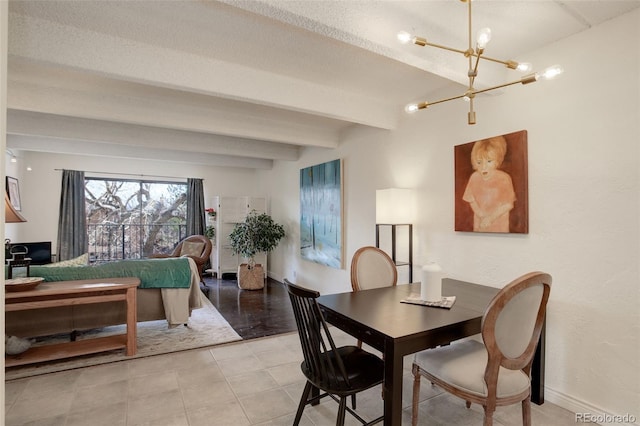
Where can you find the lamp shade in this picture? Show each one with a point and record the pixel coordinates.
(11, 215)
(395, 206)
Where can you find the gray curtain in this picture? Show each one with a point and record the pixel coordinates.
(72, 223)
(195, 207)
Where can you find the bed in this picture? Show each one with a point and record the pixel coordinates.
(169, 290)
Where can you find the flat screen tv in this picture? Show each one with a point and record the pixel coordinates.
(40, 252)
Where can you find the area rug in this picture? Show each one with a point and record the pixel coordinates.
(206, 328)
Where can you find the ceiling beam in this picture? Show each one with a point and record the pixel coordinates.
(28, 123)
(98, 149)
(51, 90)
(47, 42)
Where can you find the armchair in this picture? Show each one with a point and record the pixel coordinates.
(197, 247)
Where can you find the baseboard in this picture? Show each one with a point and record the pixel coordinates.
(576, 406)
(229, 276)
(274, 277)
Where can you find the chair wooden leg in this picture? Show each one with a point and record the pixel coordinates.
(526, 412)
(488, 416)
(303, 403)
(416, 396)
(342, 408)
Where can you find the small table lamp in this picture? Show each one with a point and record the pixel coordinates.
(11, 215)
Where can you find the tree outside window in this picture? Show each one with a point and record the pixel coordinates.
(131, 219)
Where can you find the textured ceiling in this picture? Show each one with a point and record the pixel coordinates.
(243, 83)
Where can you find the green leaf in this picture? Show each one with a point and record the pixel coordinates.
(258, 233)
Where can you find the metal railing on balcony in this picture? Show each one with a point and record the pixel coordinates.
(110, 242)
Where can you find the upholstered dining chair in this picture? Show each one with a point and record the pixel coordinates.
(372, 268)
(197, 247)
(498, 371)
(339, 372)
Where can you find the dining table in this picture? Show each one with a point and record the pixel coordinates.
(378, 318)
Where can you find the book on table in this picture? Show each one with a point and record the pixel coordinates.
(446, 302)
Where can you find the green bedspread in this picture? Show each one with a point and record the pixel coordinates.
(153, 273)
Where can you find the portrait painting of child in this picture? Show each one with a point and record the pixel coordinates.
(491, 185)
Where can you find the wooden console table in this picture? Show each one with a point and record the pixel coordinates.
(68, 293)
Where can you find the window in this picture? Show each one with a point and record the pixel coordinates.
(131, 219)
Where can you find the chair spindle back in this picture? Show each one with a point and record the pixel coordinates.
(322, 362)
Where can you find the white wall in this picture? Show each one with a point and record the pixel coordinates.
(4, 14)
(40, 188)
(584, 189)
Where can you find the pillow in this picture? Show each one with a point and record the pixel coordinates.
(82, 260)
(190, 248)
(14, 345)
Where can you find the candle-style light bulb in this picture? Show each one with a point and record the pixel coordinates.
(404, 37)
(524, 67)
(483, 38)
(411, 108)
(551, 72)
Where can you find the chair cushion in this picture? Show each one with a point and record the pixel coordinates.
(364, 370)
(462, 364)
(191, 248)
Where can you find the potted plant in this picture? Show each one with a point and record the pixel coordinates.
(258, 233)
(210, 232)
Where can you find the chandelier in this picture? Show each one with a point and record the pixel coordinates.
(474, 56)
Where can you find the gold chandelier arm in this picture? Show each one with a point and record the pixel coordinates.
(421, 41)
(470, 94)
(473, 72)
(531, 78)
(471, 116)
(509, 63)
(446, 99)
(470, 50)
(426, 104)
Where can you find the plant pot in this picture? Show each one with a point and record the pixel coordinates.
(250, 279)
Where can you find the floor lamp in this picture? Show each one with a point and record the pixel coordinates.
(395, 211)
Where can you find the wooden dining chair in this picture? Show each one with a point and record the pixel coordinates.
(498, 372)
(372, 268)
(339, 372)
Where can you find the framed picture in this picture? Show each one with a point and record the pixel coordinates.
(14, 192)
(491, 185)
(321, 217)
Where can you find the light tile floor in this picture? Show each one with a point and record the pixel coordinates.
(256, 382)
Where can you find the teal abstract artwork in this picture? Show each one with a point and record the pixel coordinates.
(321, 214)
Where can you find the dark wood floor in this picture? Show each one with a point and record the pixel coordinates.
(252, 313)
